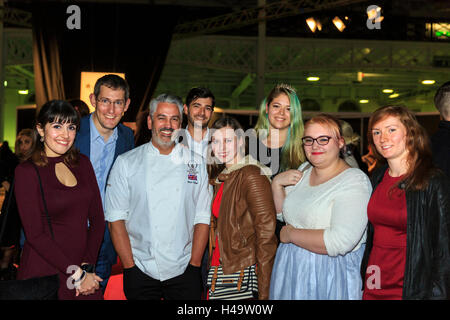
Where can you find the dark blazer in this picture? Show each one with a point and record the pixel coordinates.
(125, 138)
(427, 269)
(440, 146)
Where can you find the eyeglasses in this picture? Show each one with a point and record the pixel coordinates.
(107, 102)
(322, 140)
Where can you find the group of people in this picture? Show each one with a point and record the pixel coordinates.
(282, 203)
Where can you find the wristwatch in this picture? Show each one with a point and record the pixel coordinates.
(90, 268)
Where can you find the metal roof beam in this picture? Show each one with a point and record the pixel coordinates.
(251, 16)
(16, 17)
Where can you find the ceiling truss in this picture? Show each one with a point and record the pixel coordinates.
(253, 15)
(16, 17)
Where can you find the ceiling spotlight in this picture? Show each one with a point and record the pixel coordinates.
(394, 95)
(5, 83)
(311, 24)
(388, 91)
(314, 24)
(23, 91)
(313, 78)
(363, 101)
(319, 25)
(338, 23)
(428, 82)
(374, 14)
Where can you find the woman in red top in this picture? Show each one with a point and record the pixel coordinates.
(73, 202)
(407, 253)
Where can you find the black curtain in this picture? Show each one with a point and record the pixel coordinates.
(48, 79)
(129, 38)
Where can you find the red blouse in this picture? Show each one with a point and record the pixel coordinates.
(215, 211)
(387, 213)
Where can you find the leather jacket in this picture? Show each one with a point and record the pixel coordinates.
(427, 266)
(246, 224)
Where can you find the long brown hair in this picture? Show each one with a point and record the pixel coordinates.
(30, 133)
(214, 168)
(56, 111)
(419, 159)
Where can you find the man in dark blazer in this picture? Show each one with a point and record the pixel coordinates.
(102, 138)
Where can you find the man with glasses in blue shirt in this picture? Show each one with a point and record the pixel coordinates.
(102, 138)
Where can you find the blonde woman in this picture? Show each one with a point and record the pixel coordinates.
(279, 130)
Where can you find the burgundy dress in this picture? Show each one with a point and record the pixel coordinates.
(70, 209)
(388, 217)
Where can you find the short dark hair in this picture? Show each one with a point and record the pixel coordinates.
(112, 81)
(442, 99)
(199, 92)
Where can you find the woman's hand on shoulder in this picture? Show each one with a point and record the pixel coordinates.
(288, 178)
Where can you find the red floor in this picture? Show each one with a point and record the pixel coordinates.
(114, 288)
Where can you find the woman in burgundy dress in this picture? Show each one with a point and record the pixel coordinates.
(407, 253)
(73, 202)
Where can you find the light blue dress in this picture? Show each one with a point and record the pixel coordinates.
(338, 206)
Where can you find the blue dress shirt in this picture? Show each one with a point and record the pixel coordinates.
(102, 156)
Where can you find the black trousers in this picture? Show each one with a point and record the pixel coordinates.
(139, 286)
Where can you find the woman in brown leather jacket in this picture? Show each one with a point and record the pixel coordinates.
(243, 212)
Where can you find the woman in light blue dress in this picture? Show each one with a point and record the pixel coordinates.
(324, 204)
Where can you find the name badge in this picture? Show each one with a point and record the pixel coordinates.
(192, 173)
